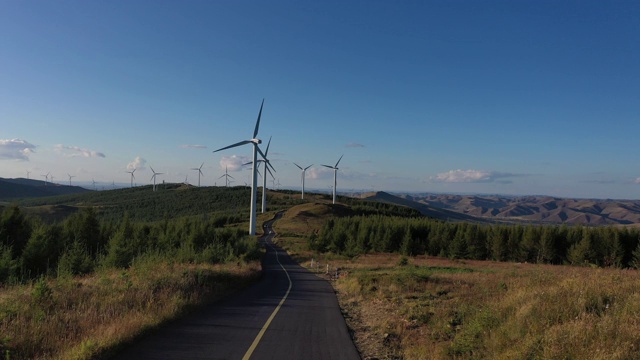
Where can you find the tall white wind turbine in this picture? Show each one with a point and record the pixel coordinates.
(70, 176)
(199, 169)
(132, 176)
(28, 172)
(153, 177)
(255, 142)
(304, 171)
(335, 175)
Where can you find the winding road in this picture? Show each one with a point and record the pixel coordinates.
(289, 314)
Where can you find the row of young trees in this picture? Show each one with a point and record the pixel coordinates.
(81, 243)
(578, 245)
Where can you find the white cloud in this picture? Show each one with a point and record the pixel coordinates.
(16, 149)
(74, 151)
(319, 172)
(188, 146)
(471, 176)
(137, 163)
(233, 162)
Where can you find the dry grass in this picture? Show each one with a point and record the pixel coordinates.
(81, 318)
(435, 308)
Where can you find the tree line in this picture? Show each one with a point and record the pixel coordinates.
(30, 248)
(550, 244)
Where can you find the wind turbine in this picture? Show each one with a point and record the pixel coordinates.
(255, 142)
(267, 163)
(28, 172)
(199, 173)
(46, 178)
(70, 176)
(335, 174)
(153, 177)
(226, 176)
(94, 184)
(302, 176)
(51, 177)
(132, 176)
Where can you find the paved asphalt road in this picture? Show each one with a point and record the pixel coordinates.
(289, 314)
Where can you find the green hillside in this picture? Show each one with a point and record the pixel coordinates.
(143, 204)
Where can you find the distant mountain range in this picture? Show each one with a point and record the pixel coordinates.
(21, 188)
(525, 209)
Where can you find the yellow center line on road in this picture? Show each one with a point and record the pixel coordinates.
(256, 341)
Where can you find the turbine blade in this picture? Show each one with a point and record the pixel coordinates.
(231, 177)
(234, 145)
(267, 150)
(261, 153)
(152, 170)
(201, 166)
(339, 160)
(271, 166)
(222, 176)
(297, 166)
(305, 169)
(270, 173)
(330, 167)
(255, 132)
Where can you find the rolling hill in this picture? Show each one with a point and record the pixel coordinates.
(20, 188)
(534, 209)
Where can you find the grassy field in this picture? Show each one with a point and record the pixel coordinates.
(88, 317)
(435, 308)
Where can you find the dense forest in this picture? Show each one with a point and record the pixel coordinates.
(30, 248)
(577, 245)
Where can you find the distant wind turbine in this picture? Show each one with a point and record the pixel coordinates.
(199, 172)
(226, 176)
(303, 176)
(70, 176)
(267, 164)
(132, 176)
(255, 142)
(46, 178)
(51, 177)
(153, 177)
(28, 172)
(335, 175)
(94, 184)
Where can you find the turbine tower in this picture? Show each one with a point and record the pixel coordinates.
(153, 177)
(255, 142)
(132, 176)
(335, 174)
(199, 173)
(94, 184)
(28, 172)
(304, 171)
(70, 176)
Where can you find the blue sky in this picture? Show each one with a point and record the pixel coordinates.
(508, 97)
